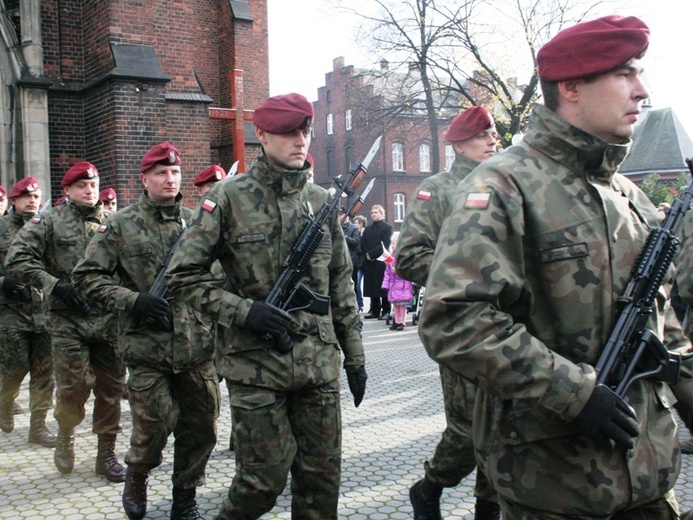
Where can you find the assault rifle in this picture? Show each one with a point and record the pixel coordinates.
(633, 352)
(289, 293)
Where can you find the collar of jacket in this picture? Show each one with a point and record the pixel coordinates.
(85, 211)
(280, 180)
(462, 166)
(16, 218)
(577, 150)
(162, 211)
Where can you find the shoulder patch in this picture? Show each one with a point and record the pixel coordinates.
(102, 228)
(209, 205)
(36, 219)
(423, 195)
(477, 200)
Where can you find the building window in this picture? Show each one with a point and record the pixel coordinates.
(449, 156)
(425, 157)
(400, 206)
(347, 119)
(330, 124)
(398, 157)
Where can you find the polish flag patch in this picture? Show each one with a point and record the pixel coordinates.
(423, 195)
(36, 220)
(103, 228)
(477, 200)
(209, 205)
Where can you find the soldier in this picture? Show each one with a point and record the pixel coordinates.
(474, 139)
(43, 255)
(26, 346)
(286, 406)
(208, 177)
(167, 347)
(522, 294)
(109, 199)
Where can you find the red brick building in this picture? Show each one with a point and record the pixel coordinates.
(350, 114)
(104, 80)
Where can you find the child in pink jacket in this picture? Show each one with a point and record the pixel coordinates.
(399, 291)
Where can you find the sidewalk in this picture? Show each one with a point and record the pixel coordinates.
(386, 441)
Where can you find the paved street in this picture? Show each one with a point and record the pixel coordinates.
(386, 441)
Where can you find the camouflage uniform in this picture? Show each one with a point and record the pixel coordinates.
(172, 385)
(286, 407)
(44, 252)
(25, 346)
(454, 456)
(522, 294)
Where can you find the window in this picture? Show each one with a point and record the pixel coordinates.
(398, 157)
(399, 202)
(425, 157)
(449, 156)
(347, 119)
(330, 124)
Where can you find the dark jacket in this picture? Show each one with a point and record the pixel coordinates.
(352, 234)
(374, 237)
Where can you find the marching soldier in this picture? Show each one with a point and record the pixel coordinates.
(208, 177)
(110, 200)
(26, 346)
(43, 255)
(167, 346)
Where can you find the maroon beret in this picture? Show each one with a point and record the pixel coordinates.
(592, 48)
(284, 114)
(83, 170)
(24, 186)
(62, 200)
(163, 153)
(212, 173)
(3, 192)
(469, 123)
(310, 160)
(107, 194)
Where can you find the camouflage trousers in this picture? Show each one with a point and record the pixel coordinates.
(277, 432)
(22, 353)
(664, 509)
(85, 360)
(185, 404)
(454, 457)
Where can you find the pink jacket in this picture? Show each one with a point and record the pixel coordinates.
(398, 289)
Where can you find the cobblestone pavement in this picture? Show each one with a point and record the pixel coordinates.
(386, 441)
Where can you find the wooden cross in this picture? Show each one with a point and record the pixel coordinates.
(237, 114)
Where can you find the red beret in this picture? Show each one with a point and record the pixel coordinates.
(83, 170)
(24, 186)
(107, 194)
(3, 192)
(592, 48)
(62, 200)
(469, 123)
(310, 160)
(212, 173)
(284, 114)
(163, 153)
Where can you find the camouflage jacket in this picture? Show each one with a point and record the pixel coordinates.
(424, 218)
(121, 262)
(249, 223)
(521, 297)
(18, 315)
(49, 246)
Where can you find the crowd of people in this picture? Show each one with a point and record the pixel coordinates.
(524, 254)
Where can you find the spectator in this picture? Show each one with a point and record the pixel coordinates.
(400, 292)
(375, 240)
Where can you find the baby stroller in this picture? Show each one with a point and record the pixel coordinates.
(414, 305)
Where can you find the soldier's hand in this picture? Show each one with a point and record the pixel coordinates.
(16, 290)
(66, 293)
(263, 317)
(608, 417)
(153, 310)
(356, 376)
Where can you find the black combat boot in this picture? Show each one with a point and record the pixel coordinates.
(425, 500)
(485, 510)
(16, 409)
(38, 433)
(64, 456)
(135, 494)
(184, 506)
(6, 417)
(106, 460)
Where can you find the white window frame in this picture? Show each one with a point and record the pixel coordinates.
(347, 119)
(330, 124)
(400, 205)
(449, 156)
(425, 157)
(398, 157)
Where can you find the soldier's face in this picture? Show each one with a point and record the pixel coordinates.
(3, 205)
(162, 183)
(83, 191)
(286, 150)
(27, 204)
(480, 147)
(110, 205)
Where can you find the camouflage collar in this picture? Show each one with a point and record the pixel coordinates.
(462, 166)
(162, 211)
(580, 151)
(279, 179)
(16, 218)
(85, 211)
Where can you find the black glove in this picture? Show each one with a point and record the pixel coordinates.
(153, 311)
(356, 376)
(66, 293)
(608, 417)
(16, 290)
(263, 317)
